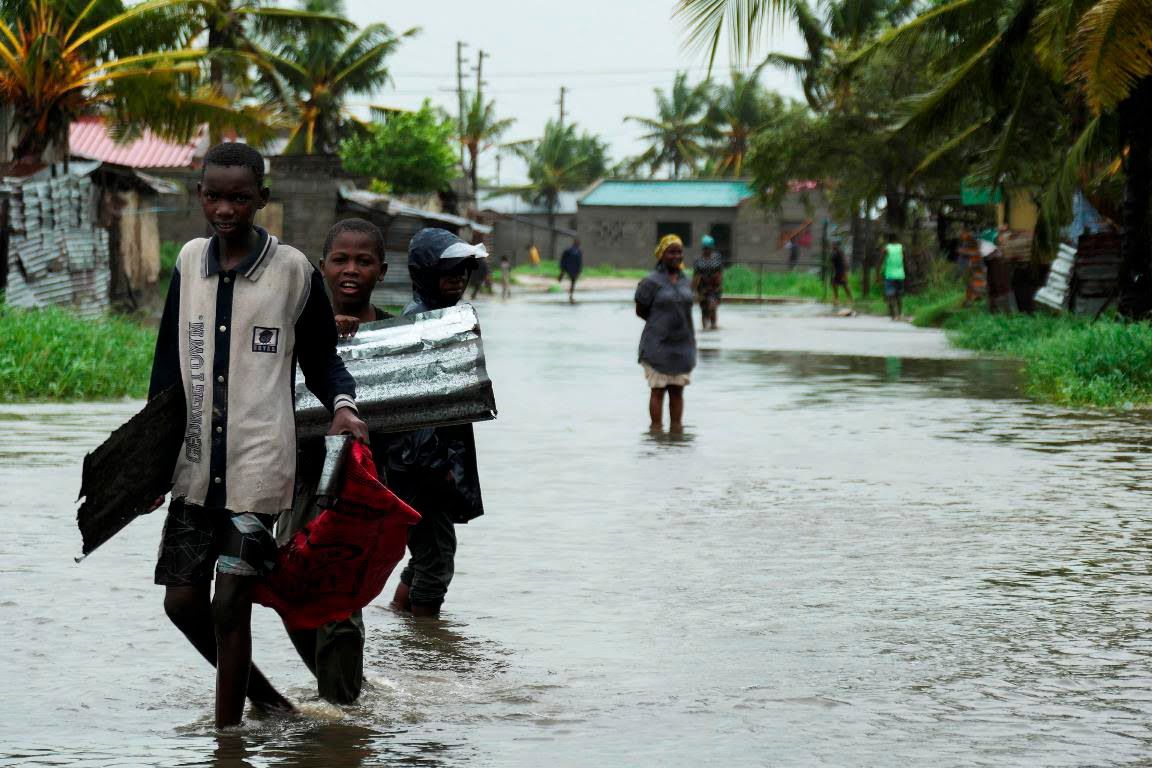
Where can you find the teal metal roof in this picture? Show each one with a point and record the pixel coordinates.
(688, 193)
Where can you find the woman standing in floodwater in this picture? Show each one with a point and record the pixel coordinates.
(668, 344)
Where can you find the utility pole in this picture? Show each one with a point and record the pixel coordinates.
(460, 95)
(480, 71)
(563, 90)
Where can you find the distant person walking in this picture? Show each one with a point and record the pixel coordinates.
(839, 274)
(668, 343)
(482, 278)
(505, 278)
(534, 255)
(708, 281)
(970, 258)
(793, 253)
(571, 264)
(892, 272)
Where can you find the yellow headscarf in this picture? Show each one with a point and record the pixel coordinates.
(665, 243)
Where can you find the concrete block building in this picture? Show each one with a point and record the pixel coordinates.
(621, 220)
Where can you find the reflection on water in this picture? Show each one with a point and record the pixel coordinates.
(873, 552)
(656, 438)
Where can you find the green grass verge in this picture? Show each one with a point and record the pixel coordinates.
(1068, 359)
(52, 354)
(549, 268)
(740, 280)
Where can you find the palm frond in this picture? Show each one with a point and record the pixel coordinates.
(131, 13)
(936, 25)
(1056, 199)
(951, 145)
(747, 22)
(1113, 50)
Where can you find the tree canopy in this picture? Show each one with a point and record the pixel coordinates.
(408, 152)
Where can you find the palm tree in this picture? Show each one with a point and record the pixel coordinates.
(678, 133)
(1095, 56)
(558, 162)
(480, 132)
(847, 24)
(60, 59)
(311, 76)
(1001, 66)
(235, 27)
(737, 111)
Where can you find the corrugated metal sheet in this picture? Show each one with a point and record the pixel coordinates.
(687, 193)
(1055, 292)
(392, 207)
(57, 254)
(89, 138)
(418, 371)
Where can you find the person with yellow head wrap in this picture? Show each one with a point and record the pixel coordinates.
(668, 343)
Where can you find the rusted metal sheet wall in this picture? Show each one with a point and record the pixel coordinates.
(57, 255)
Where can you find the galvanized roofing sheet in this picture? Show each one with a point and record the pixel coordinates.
(674, 193)
(58, 254)
(393, 207)
(415, 371)
(89, 138)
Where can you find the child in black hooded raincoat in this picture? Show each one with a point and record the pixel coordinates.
(434, 469)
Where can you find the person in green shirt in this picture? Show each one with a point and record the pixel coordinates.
(892, 272)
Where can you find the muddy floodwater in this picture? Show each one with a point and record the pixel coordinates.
(865, 549)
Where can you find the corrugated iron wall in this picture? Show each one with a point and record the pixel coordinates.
(57, 255)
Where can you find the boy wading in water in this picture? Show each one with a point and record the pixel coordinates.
(353, 265)
(434, 469)
(241, 309)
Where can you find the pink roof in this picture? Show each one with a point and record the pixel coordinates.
(88, 138)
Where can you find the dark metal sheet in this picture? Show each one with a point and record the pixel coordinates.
(131, 469)
(424, 370)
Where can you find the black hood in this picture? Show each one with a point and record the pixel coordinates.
(432, 253)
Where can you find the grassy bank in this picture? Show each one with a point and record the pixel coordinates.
(550, 268)
(1068, 359)
(52, 354)
(740, 280)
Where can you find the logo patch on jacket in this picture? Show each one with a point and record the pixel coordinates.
(265, 339)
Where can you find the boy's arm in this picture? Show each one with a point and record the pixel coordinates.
(324, 371)
(166, 360)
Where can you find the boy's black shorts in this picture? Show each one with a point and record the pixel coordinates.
(197, 538)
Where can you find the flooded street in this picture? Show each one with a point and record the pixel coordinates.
(866, 549)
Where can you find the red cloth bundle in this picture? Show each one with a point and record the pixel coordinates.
(340, 561)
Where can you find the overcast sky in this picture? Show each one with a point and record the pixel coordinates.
(609, 53)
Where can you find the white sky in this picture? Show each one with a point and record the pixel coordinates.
(609, 53)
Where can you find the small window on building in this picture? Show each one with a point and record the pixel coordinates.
(681, 228)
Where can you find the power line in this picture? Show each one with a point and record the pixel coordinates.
(584, 72)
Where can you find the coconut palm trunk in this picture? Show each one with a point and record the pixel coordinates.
(553, 204)
(1136, 236)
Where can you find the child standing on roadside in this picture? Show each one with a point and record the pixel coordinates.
(353, 265)
(892, 272)
(241, 309)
